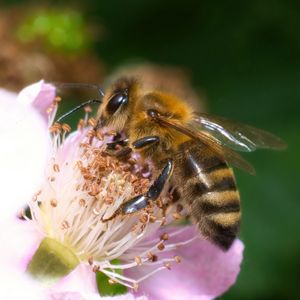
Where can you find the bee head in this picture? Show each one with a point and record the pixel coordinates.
(116, 107)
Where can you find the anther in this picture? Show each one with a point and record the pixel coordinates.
(138, 260)
(164, 237)
(66, 127)
(160, 246)
(177, 259)
(53, 202)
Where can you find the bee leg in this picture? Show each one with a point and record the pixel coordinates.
(141, 201)
(145, 142)
(112, 145)
(122, 153)
(138, 144)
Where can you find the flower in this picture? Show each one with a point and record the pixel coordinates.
(82, 188)
(22, 167)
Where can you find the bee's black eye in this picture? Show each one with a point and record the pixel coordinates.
(116, 101)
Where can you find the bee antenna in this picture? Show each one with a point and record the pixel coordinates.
(93, 101)
(81, 85)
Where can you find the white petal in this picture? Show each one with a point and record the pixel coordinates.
(24, 149)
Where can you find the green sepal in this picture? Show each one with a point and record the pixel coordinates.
(107, 289)
(52, 261)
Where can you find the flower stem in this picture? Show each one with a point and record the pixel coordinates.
(52, 261)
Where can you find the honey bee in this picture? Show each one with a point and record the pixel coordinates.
(191, 151)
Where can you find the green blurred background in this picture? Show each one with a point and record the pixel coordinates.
(244, 56)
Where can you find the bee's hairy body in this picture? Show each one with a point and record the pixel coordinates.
(203, 180)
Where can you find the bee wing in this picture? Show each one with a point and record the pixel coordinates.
(215, 145)
(238, 136)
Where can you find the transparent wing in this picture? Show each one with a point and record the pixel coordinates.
(222, 151)
(238, 136)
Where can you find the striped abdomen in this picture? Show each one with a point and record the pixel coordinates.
(208, 187)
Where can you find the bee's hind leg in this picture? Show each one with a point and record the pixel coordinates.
(141, 201)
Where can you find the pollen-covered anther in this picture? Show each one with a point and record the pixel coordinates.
(176, 216)
(177, 259)
(95, 189)
(111, 133)
(21, 214)
(90, 260)
(167, 265)
(35, 196)
(66, 127)
(108, 200)
(144, 218)
(57, 99)
(55, 128)
(164, 237)
(135, 286)
(53, 202)
(56, 168)
(161, 246)
(111, 281)
(92, 122)
(88, 109)
(99, 135)
(80, 124)
(138, 260)
(96, 268)
(91, 134)
(65, 224)
(152, 257)
(152, 219)
(82, 202)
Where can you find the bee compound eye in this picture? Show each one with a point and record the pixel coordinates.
(116, 101)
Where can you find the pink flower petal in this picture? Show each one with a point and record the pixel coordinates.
(39, 95)
(82, 280)
(204, 273)
(18, 240)
(23, 153)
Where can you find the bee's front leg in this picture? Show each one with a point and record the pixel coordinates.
(141, 201)
(111, 148)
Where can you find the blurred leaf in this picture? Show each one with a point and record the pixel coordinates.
(107, 289)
